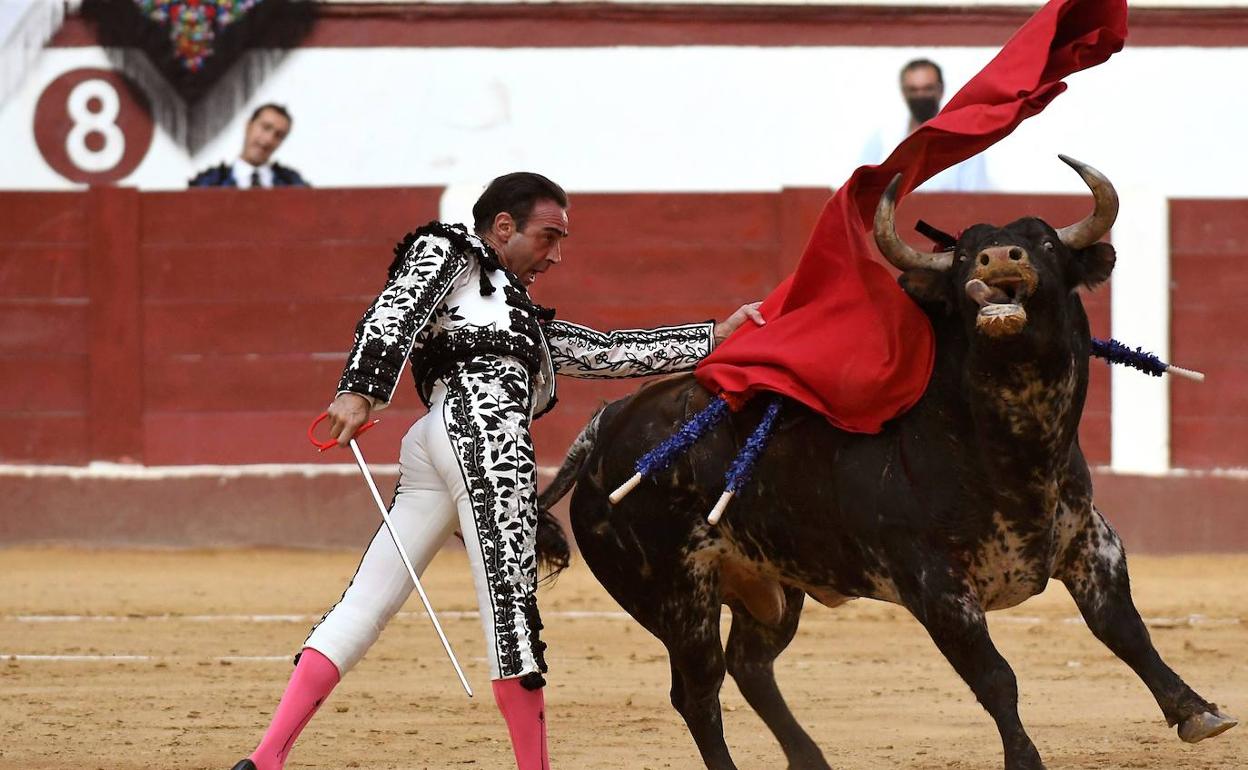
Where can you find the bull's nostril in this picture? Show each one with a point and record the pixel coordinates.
(983, 259)
(1016, 253)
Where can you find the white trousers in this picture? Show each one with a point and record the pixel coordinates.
(469, 464)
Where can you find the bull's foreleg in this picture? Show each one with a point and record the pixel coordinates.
(955, 621)
(752, 649)
(1095, 572)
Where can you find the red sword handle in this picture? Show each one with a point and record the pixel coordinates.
(321, 446)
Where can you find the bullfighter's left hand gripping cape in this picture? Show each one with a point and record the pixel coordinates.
(841, 336)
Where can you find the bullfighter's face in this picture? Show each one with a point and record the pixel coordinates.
(532, 250)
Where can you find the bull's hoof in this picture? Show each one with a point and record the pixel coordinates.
(1207, 724)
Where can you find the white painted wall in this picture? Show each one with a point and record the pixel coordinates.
(1162, 122)
(704, 118)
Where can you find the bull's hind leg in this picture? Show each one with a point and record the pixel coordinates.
(752, 649)
(689, 627)
(1095, 572)
(952, 616)
(681, 607)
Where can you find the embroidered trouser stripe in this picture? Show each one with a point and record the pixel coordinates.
(469, 462)
(486, 415)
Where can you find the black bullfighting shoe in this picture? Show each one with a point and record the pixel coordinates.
(245, 764)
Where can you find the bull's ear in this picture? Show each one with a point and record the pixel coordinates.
(1095, 263)
(930, 288)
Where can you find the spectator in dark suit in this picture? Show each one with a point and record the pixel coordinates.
(266, 130)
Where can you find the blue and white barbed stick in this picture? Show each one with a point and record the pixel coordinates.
(677, 444)
(743, 465)
(1115, 352)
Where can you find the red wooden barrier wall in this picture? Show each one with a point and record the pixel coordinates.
(44, 363)
(1209, 280)
(208, 326)
(250, 300)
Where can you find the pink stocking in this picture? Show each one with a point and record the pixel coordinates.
(525, 714)
(314, 678)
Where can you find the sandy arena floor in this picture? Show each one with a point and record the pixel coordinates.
(127, 660)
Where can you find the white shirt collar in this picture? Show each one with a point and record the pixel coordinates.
(243, 170)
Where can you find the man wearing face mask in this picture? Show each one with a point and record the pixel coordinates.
(923, 88)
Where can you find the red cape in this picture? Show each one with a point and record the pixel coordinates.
(841, 336)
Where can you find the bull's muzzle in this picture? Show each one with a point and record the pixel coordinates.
(1001, 282)
(1002, 257)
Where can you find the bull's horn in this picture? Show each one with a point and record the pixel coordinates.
(895, 250)
(1097, 224)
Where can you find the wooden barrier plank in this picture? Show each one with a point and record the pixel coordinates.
(1209, 251)
(261, 271)
(43, 327)
(1209, 228)
(1221, 394)
(252, 383)
(42, 271)
(34, 384)
(114, 348)
(1210, 441)
(225, 215)
(57, 438)
(228, 438)
(1169, 514)
(662, 220)
(1204, 288)
(266, 327)
(678, 272)
(1095, 429)
(43, 218)
(299, 510)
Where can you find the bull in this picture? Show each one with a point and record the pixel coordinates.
(969, 502)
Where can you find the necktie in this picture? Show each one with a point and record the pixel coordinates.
(255, 177)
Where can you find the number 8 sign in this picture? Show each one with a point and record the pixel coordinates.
(93, 126)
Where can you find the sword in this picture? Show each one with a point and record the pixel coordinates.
(394, 535)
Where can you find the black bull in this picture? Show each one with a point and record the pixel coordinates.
(969, 502)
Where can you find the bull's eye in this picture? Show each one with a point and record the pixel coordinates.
(1049, 246)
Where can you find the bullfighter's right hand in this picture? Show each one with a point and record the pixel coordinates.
(348, 412)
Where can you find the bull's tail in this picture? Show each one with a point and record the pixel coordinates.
(552, 543)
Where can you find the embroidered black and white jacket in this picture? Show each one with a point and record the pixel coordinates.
(448, 298)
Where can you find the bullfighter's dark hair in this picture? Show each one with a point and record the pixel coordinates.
(515, 193)
(915, 64)
(279, 109)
